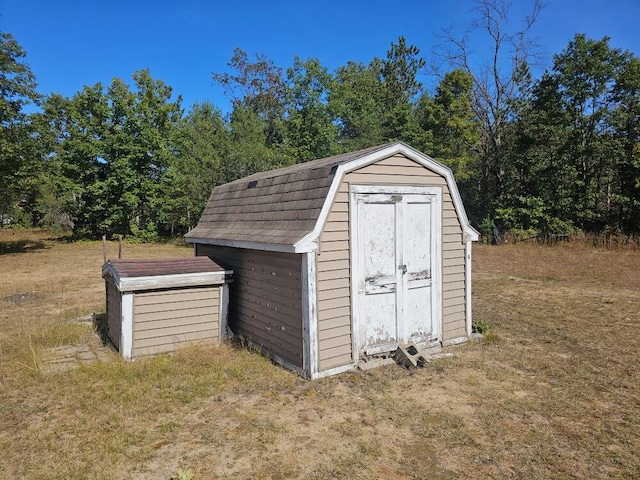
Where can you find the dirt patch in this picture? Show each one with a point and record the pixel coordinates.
(25, 298)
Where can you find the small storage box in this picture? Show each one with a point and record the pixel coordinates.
(156, 306)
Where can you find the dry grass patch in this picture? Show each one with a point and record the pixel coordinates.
(554, 394)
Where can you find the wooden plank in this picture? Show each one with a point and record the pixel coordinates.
(452, 253)
(341, 283)
(326, 316)
(326, 246)
(457, 230)
(341, 341)
(280, 346)
(266, 281)
(256, 307)
(453, 302)
(329, 275)
(334, 236)
(453, 261)
(175, 306)
(452, 270)
(339, 216)
(335, 322)
(333, 265)
(452, 293)
(242, 257)
(176, 330)
(328, 304)
(343, 331)
(325, 295)
(393, 179)
(174, 339)
(453, 244)
(283, 297)
(327, 363)
(335, 227)
(381, 168)
(270, 330)
(333, 255)
(450, 221)
(179, 313)
(453, 309)
(341, 204)
(210, 321)
(455, 278)
(172, 296)
(335, 352)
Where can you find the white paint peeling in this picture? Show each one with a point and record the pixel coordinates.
(126, 332)
(309, 315)
(156, 282)
(224, 310)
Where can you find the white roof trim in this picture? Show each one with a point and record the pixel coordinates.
(156, 282)
(310, 241)
(272, 247)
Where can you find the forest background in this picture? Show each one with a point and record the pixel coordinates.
(553, 154)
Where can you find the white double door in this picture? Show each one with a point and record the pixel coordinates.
(397, 234)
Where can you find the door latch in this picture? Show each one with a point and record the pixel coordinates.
(403, 268)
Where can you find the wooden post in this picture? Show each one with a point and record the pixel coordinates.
(104, 247)
(119, 246)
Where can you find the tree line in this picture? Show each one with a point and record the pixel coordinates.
(555, 154)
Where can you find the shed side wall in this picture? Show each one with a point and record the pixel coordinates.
(334, 315)
(165, 319)
(265, 298)
(114, 312)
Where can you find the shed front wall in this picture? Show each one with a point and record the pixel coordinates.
(265, 298)
(165, 319)
(333, 264)
(114, 312)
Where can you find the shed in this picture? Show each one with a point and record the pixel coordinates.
(344, 257)
(155, 306)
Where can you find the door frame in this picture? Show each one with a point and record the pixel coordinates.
(435, 194)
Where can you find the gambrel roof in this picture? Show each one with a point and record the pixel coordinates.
(284, 209)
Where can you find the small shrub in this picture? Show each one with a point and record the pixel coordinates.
(480, 326)
(183, 474)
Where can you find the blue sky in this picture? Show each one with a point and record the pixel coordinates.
(72, 43)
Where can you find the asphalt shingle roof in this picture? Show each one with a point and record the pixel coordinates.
(275, 207)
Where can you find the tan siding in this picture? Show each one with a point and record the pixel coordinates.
(164, 320)
(334, 321)
(333, 285)
(114, 312)
(265, 298)
(453, 286)
(332, 275)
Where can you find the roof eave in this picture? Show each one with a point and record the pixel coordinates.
(310, 242)
(271, 247)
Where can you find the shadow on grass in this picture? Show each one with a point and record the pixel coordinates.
(101, 327)
(21, 246)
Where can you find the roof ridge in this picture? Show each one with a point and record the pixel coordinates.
(311, 164)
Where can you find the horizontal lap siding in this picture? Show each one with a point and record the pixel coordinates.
(165, 319)
(265, 302)
(114, 313)
(333, 283)
(402, 171)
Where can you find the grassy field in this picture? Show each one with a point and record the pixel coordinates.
(551, 392)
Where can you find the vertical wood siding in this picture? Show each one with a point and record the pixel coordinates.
(166, 319)
(334, 313)
(114, 312)
(265, 298)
